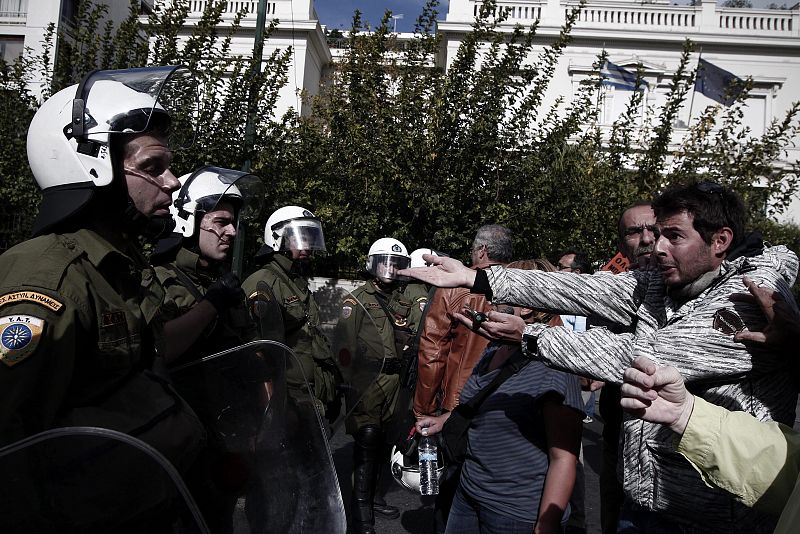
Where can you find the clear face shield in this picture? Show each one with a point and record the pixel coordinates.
(303, 234)
(207, 186)
(135, 101)
(385, 266)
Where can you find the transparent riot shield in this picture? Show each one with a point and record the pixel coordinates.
(270, 468)
(92, 480)
(266, 312)
(362, 350)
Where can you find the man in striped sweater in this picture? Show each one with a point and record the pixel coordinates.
(681, 315)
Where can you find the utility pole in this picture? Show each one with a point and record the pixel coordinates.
(237, 261)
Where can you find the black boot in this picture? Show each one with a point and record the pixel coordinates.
(380, 505)
(365, 455)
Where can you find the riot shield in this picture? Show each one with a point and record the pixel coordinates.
(266, 311)
(361, 349)
(270, 464)
(92, 480)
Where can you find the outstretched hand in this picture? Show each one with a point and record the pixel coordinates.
(501, 326)
(656, 394)
(444, 272)
(783, 324)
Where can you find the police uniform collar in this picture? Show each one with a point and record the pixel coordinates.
(189, 262)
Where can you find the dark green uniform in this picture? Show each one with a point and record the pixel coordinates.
(394, 321)
(79, 331)
(234, 326)
(301, 325)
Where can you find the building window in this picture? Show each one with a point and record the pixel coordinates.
(11, 47)
(13, 8)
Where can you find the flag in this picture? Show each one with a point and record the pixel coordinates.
(716, 83)
(619, 77)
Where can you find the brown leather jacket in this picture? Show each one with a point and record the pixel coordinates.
(448, 350)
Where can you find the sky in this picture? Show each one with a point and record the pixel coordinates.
(339, 13)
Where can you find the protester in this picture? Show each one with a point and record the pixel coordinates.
(448, 350)
(522, 444)
(637, 234)
(757, 462)
(682, 316)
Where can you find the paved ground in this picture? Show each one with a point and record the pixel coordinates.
(417, 511)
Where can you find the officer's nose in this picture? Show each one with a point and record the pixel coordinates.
(171, 183)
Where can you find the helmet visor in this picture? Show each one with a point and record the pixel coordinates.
(138, 100)
(245, 189)
(385, 266)
(303, 234)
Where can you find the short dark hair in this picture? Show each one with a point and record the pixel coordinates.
(497, 240)
(580, 262)
(711, 206)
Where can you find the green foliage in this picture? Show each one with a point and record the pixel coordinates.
(737, 4)
(396, 146)
(18, 191)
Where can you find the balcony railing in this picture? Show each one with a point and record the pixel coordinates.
(648, 17)
(13, 17)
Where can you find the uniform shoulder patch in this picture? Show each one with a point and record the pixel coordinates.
(349, 302)
(32, 296)
(19, 337)
(347, 311)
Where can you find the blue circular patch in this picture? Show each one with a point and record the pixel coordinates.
(16, 336)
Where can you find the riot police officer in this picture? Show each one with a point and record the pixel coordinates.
(79, 305)
(383, 336)
(205, 310)
(292, 235)
(205, 304)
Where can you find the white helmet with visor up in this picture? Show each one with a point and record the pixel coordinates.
(405, 468)
(70, 137)
(294, 228)
(386, 256)
(203, 189)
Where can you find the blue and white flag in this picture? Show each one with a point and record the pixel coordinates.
(620, 78)
(716, 83)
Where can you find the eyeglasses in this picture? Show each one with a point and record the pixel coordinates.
(563, 267)
(710, 188)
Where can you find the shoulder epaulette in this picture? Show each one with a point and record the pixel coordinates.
(40, 262)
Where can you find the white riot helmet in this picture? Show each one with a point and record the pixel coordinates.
(418, 261)
(405, 469)
(387, 256)
(70, 137)
(203, 189)
(293, 227)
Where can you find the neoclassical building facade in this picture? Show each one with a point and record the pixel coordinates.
(760, 43)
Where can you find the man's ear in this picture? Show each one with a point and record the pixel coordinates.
(721, 241)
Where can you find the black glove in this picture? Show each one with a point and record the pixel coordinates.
(225, 292)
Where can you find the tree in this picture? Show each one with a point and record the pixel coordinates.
(737, 4)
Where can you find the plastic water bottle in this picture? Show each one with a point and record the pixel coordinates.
(428, 465)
